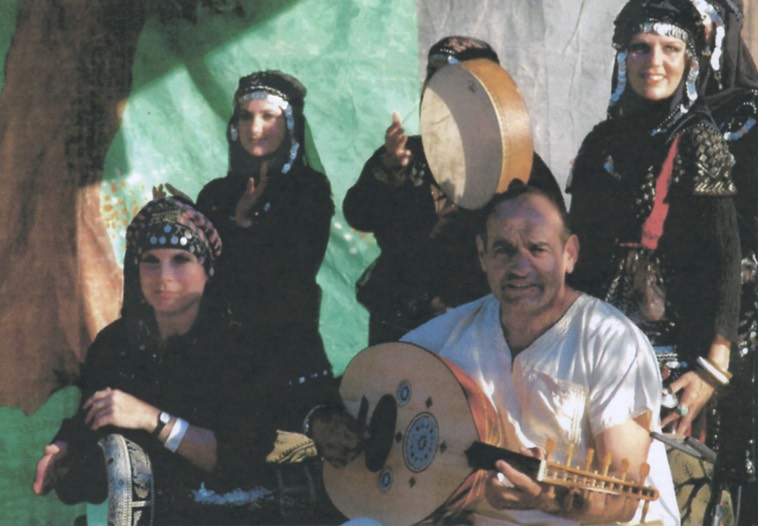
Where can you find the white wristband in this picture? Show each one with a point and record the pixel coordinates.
(176, 435)
(711, 369)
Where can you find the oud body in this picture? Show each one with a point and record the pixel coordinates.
(433, 435)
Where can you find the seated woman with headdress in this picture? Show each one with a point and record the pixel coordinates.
(174, 376)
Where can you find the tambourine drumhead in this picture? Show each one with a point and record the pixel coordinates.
(476, 131)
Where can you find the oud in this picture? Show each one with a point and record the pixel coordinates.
(429, 426)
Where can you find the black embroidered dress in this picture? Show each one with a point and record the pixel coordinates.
(613, 189)
(206, 377)
(268, 269)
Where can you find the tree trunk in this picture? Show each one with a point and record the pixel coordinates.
(750, 29)
(68, 72)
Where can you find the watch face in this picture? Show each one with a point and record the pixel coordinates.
(164, 418)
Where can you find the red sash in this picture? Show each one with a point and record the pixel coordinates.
(652, 229)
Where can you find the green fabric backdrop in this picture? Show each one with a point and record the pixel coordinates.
(358, 59)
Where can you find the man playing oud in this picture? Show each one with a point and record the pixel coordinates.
(557, 364)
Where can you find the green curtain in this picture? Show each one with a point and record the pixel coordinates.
(358, 59)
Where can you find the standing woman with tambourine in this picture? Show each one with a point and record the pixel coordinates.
(428, 262)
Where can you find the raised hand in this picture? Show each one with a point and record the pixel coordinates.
(250, 197)
(396, 155)
(159, 192)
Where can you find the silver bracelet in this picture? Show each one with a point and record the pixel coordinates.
(716, 373)
(176, 435)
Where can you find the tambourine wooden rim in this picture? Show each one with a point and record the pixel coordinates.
(131, 486)
(476, 131)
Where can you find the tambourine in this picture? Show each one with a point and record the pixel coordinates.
(131, 487)
(476, 132)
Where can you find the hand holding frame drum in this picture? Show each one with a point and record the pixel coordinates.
(476, 131)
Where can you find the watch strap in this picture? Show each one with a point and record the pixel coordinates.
(163, 419)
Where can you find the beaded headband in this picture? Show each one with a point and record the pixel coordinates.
(278, 89)
(671, 18)
(170, 223)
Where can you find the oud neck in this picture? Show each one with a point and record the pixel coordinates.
(484, 456)
(569, 477)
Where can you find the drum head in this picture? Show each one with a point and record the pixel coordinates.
(476, 131)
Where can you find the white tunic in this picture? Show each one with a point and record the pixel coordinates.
(592, 370)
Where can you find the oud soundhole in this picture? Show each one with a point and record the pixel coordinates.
(381, 432)
(420, 442)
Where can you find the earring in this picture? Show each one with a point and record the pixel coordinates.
(620, 77)
(233, 134)
(691, 79)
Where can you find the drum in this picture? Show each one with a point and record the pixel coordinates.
(476, 131)
(131, 489)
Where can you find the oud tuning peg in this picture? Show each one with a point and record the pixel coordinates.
(569, 453)
(645, 507)
(606, 464)
(550, 492)
(549, 448)
(588, 459)
(644, 472)
(624, 469)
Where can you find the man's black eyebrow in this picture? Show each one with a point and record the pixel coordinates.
(538, 242)
(502, 243)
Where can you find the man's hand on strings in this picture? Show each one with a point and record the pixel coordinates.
(509, 488)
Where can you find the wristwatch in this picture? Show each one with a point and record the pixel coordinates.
(163, 419)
